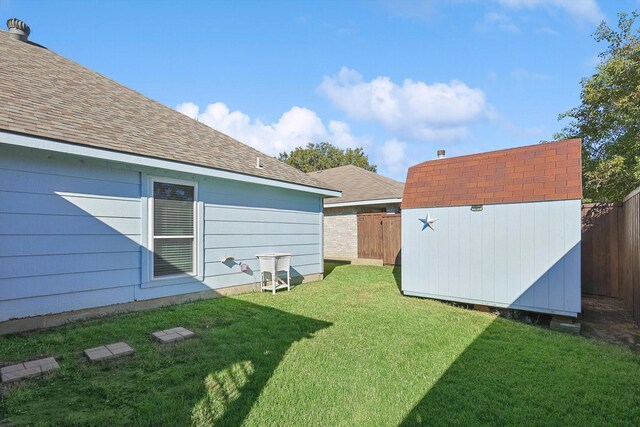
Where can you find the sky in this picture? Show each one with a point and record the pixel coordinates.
(401, 78)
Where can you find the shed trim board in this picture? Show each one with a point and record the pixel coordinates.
(490, 303)
(69, 148)
(362, 203)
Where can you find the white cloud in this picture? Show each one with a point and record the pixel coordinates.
(418, 109)
(547, 31)
(585, 10)
(294, 128)
(393, 159)
(188, 109)
(497, 20)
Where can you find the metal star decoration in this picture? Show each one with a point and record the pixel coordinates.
(428, 222)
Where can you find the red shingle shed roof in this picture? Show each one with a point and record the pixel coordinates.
(550, 171)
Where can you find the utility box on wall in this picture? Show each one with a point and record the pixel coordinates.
(499, 229)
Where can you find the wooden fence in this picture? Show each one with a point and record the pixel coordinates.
(379, 237)
(630, 254)
(611, 251)
(600, 255)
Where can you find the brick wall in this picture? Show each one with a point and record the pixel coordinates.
(341, 235)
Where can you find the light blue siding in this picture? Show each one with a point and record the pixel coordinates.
(58, 303)
(60, 244)
(69, 204)
(522, 255)
(240, 220)
(61, 224)
(49, 265)
(73, 232)
(21, 181)
(54, 217)
(266, 242)
(31, 286)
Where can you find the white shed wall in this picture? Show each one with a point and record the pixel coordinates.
(523, 255)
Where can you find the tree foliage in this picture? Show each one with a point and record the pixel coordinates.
(608, 120)
(321, 156)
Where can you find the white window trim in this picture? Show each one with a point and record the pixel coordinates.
(150, 228)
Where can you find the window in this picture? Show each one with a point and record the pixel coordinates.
(172, 228)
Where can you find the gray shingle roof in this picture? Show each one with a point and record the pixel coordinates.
(46, 95)
(358, 184)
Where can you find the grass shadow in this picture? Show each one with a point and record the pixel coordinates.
(504, 378)
(397, 277)
(329, 266)
(214, 378)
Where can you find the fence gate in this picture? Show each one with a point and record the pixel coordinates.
(379, 237)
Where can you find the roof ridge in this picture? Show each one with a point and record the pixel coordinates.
(358, 168)
(333, 168)
(359, 184)
(381, 179)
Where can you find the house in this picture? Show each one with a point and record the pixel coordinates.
(498, 229)
(363, 192)
(108, 198)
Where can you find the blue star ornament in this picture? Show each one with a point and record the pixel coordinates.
(428, 222)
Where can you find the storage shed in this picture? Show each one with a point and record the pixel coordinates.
(109, 199)
(499, 229)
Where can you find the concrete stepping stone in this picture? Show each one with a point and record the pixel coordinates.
(30, 369)
(109, 351)
(173, 335)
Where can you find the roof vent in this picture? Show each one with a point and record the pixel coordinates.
(441, 154)
(259, 163)
(18, 30)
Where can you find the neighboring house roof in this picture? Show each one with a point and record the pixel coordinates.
(46, 95)
(358, 185)
(549, 171)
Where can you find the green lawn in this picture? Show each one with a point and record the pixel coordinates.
(347, 351)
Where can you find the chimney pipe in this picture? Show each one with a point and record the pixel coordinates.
(441, 154)
(18, 30)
